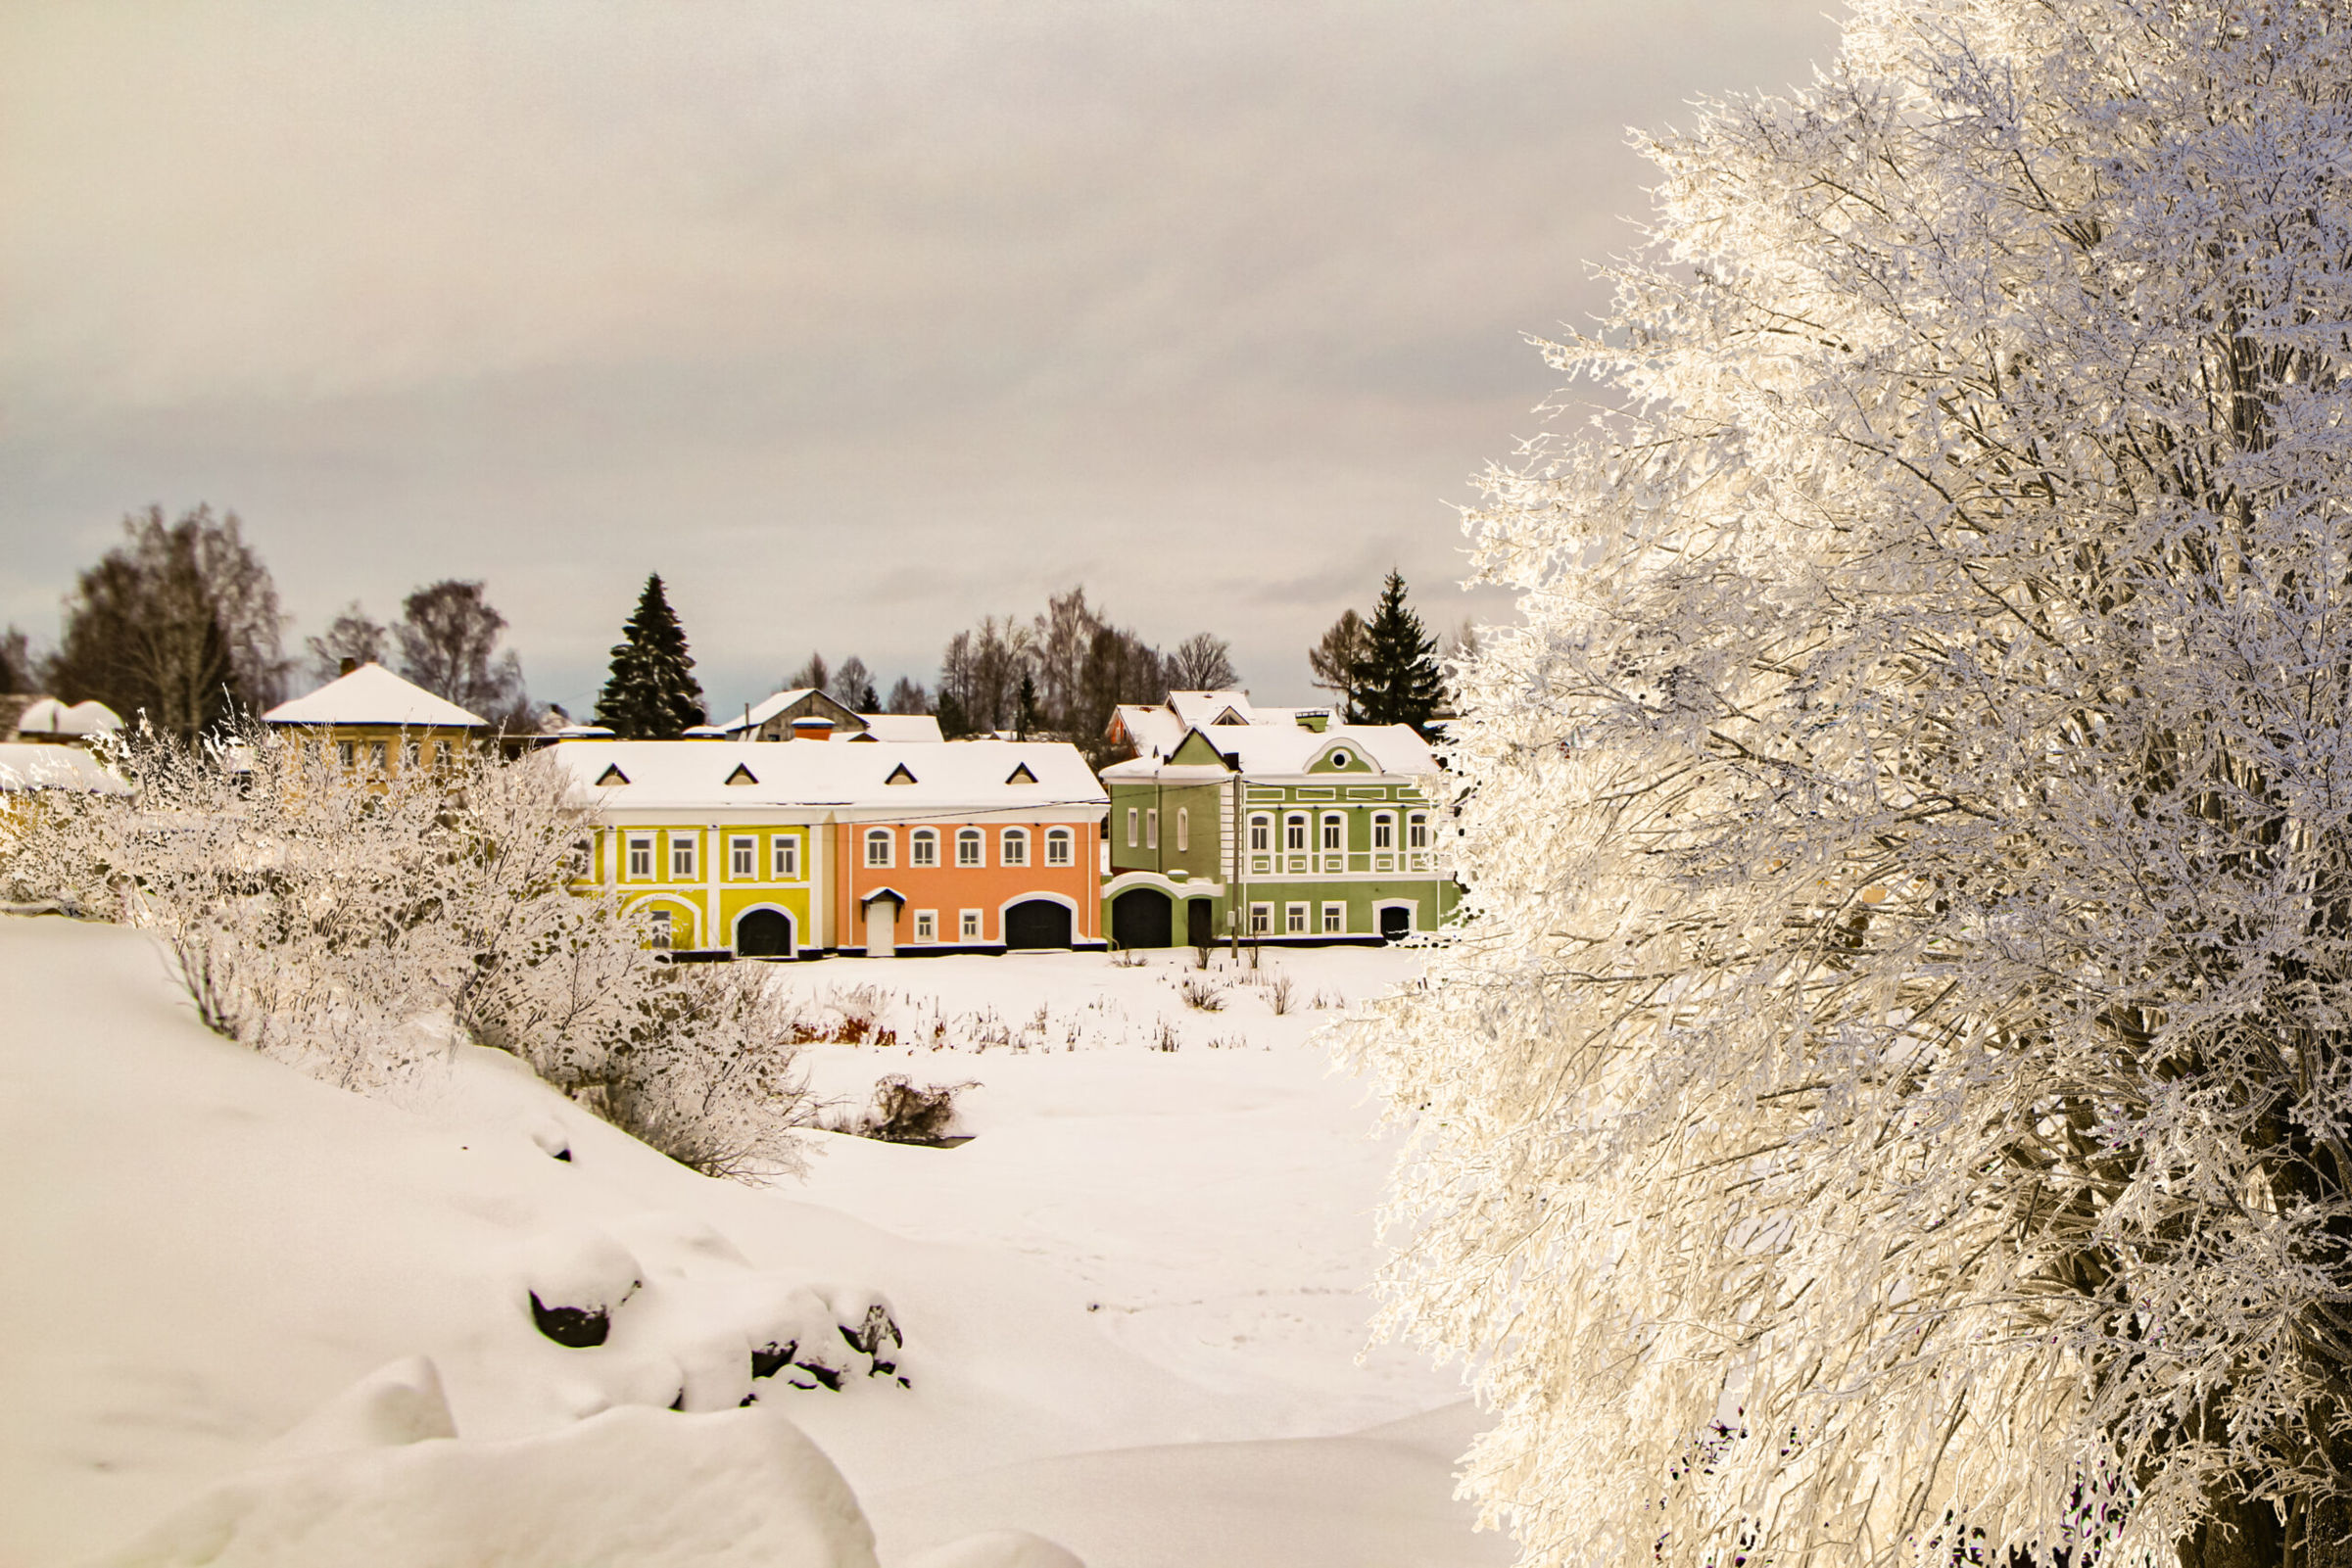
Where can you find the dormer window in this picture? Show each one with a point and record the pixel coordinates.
(900, 775)
(742, 775)
(1020, 775)
(613, 775)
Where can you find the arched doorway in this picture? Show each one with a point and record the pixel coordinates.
(1142, 917)
(764, 933)
(1037, 923)
(1396, 923)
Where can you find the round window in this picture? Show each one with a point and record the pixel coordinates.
(1339, 759)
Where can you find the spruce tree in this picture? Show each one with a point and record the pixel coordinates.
(652, 694)
(1397, 678)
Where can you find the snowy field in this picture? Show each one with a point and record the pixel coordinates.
(1131, 1303)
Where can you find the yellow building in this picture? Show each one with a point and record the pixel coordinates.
(376, 720)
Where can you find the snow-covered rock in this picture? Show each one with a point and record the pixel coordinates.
(577, 1279)
(739, 1489)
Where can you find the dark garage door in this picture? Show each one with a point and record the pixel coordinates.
(764, 933)
(1199, 927)
(1396, 923)
(1142, 918)
(1037, 923)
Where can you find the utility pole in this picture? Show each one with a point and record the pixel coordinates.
(1235, 904)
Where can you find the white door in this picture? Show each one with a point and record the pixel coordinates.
(881, 928)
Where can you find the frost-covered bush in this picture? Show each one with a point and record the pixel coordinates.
(353, 924)
(1895, 1082)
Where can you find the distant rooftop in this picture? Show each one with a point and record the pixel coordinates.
(373, 695)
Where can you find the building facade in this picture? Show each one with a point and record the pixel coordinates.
(760, 850)
(374, 720)
(1293, 831)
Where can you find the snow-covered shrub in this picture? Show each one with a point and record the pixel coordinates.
(1904, 1013)
(356, 923)
(903, 1111)
(1202, 996)
(704, 1068)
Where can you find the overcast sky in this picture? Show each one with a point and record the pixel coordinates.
(854, 322)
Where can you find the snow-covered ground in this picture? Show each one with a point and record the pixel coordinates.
(1132, 1303)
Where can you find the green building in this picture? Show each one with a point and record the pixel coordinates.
(1275, 825)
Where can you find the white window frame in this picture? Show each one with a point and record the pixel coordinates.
(376, 755)
(1134, 821)
(1341, 758)
(1335, 826)
(686, 856)
(1294, 833)
(1417, 831)
(784, 858)
(659, 932)
(1262, 919)
(347, 750)
(1151, 827)
(1061, 847)
(971, 847)
(923, 847)
(1015, 848)
(742, 857)
(1384, 832)
(967, 926)
(880, 846)
(1262, 835)
(639, 859)
(1294, 920)
(1336, 920)
(927, 926)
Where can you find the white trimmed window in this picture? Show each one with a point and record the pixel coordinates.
(1058, 847)
(1294, 920)
(971, 847)
(411, 750)
(1183, 829)
(878, 846)
(641, 856)
(743, 858)
(1417, 831)
(1335, 833)
(971, 926)
(1336, 920)
(1261, 835)
(347, 750)
(927, 925)
(1384, 831)
(1015, 846)
(923, 848)
(784, 858)
(682, 856)
(376, 755)
(1262, 919)
(1133, 817)
(1294, 834)
(1151, 828)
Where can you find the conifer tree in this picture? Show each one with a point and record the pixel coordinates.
(1397, 678)
(652, 694)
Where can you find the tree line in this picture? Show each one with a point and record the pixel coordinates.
(181, 622)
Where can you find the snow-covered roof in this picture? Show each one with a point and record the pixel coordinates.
(35, 765)
(49, 716)
(899, 729)
(1274, 750)
(374, 694)
(1155, 731)
(979, 775)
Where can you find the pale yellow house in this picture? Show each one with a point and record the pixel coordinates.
(376, 720)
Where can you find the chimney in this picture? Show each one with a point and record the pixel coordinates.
(349, 664)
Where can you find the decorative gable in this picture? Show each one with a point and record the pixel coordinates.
(742, 775)
(1342, 758)
(1228, 717)
(611, 775)
(900, 775)
(1195, 750)
(1020, 775)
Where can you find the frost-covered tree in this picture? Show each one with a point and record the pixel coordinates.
(652, 694)
(1890, 1099)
